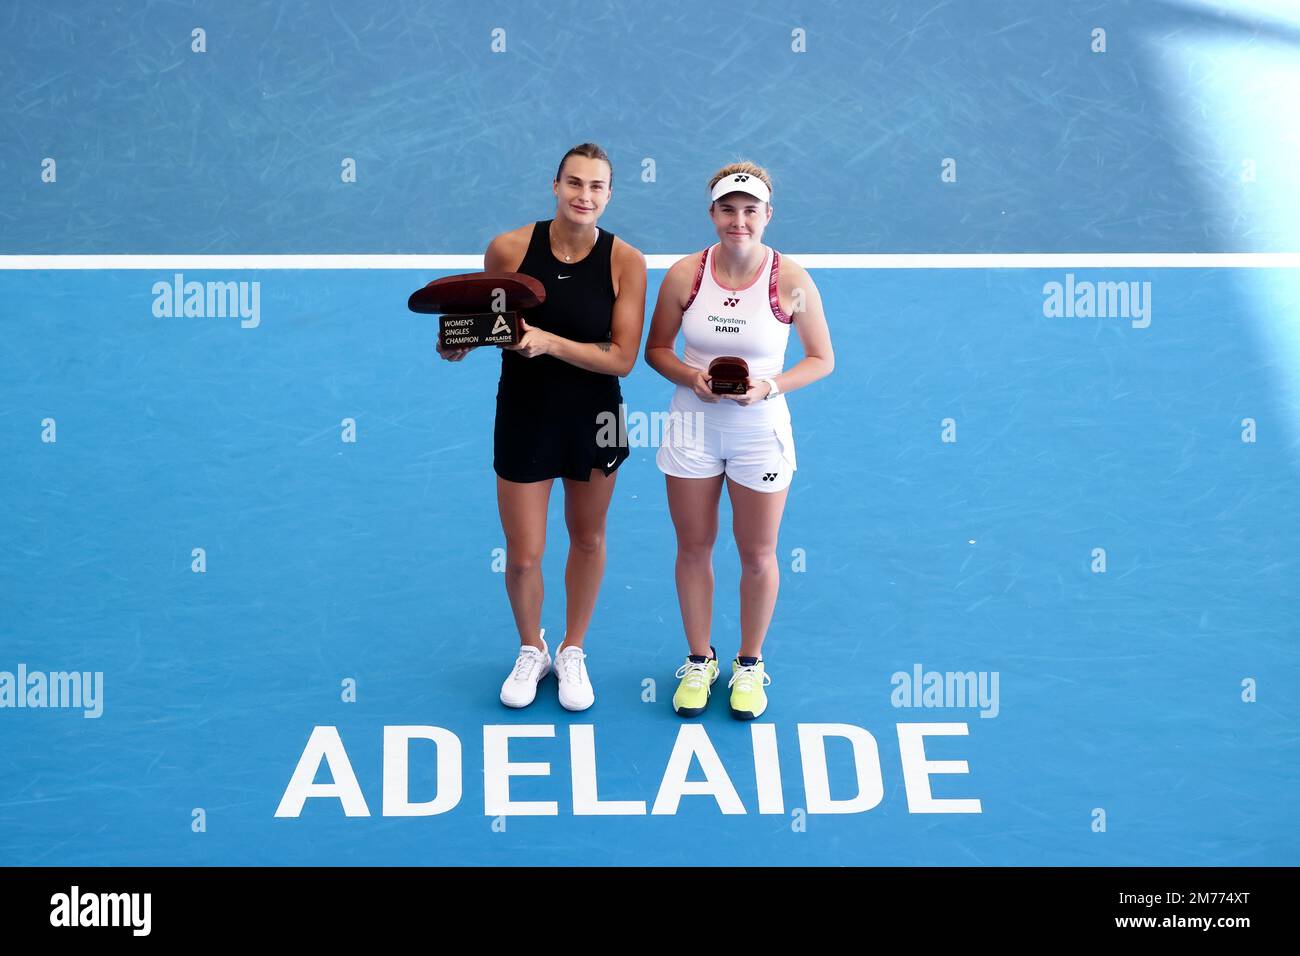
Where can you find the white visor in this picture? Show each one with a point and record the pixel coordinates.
(741, 183)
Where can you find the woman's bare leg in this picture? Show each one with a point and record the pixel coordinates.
(693, 504)
(523, 518)
(585, 505)
(756, 521)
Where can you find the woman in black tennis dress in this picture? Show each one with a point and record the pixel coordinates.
(558, 409)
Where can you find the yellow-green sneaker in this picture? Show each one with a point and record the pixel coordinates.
(748, 699)
(692, 694)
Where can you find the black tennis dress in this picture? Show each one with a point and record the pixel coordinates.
(555, 420)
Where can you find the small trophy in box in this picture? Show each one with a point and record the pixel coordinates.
(728, 375)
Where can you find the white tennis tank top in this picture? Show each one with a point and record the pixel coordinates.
(747, 323)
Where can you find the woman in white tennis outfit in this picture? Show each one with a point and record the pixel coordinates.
(736, 298)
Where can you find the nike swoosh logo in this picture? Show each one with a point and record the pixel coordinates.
(611, 464)
(564, 277)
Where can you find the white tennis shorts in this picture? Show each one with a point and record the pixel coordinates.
(758, 458)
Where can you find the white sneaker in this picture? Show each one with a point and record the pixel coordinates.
(571, 671)
(531, 666)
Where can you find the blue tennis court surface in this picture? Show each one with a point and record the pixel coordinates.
(373, 561)
(1038, 560)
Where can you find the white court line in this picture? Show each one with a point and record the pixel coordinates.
(996, 260)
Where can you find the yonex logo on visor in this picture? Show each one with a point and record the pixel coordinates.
(741, 183)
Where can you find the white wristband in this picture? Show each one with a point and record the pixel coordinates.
(773, 389)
